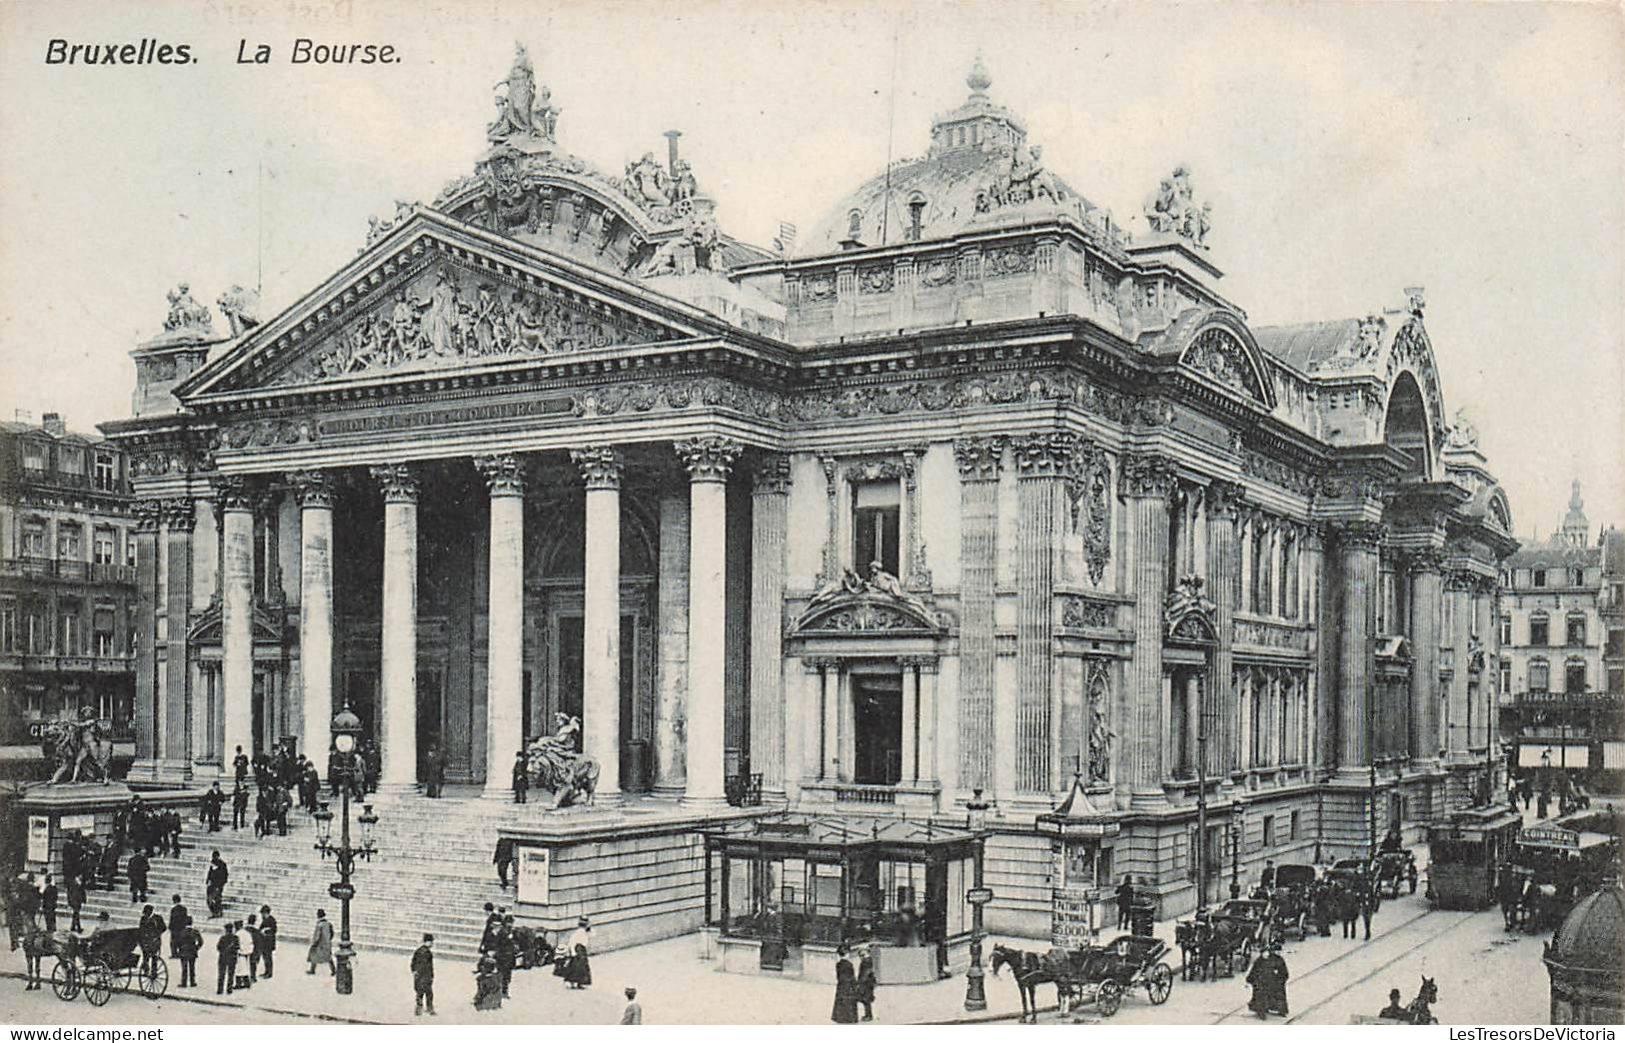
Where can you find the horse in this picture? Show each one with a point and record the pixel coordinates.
(1419, 1011)
(1030, 970)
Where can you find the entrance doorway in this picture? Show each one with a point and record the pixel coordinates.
(877, 732)
(569, 672)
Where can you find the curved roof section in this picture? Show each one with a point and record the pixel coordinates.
(1216, 343)
(1593, 934)
(972, 150)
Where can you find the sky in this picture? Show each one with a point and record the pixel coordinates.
(1349, 151)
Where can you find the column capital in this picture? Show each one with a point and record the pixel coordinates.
(234, 493)
(1224, 499)
(926, 664)
(1149, 475)
(1461, 580)
(771, 475)
(1428, 559)
(980, 458)
(178, 514)
(313, 488)
(1358, 535)
(148, 514)
(709, 458)
(819, 664)
(504, 473)
(1045, 454)
(399, 482)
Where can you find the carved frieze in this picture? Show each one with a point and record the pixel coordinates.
(1078, 611)
(1218, 354)
(877, 278)
(1188, 614)
(1259, 634)
(267, 434)
(1266, 468)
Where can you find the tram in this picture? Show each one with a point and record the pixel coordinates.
(1464, 852)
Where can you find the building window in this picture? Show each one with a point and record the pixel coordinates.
(1506, 676)
(1576, 630)
(71, 461)
(916, 219)
(129, 553)
(104, 546)
(70, 633)
(1269, 832)
(102, 621)
(69, 543)
(1616, 642)
(876, 510)
(1539, 577)
(854, 224)
(1539, 675)
(104, 643)
(1506, 631)
(106, 472)
(8, 626)
(34, 457)
(1577, 577)
(1539, 629)
(38, 634)
(1292, 827)
(34, 539)
(1616, 681)
(1574, 677)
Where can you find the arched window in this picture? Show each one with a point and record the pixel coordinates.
(854, 224)
(1539, 675)
(916, 217)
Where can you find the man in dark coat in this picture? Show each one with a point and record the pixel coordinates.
(1348, 909)
(137, 868)
(423, 975)
(521, 778)
(109, 864)
(225, 980)
(239, 806)
(1268, 979)
(504, 859)
(493, 920)
(505, 954)
(267, 949)
(179, 921)
(239, 766)
(215, 887)
(47, 903)
(213, 801)
(1125, 902)
(435, 765)
(191, 944)
(256, 947)
(1368, 906)
(866, 982)
(151, 937)
(845, 1010)
(76, 901)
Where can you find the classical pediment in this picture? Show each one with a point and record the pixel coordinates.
(206, 626)
(868, 612)
(436, 295)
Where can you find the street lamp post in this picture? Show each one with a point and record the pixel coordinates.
(346, 727)
(975, 993)
(1237, 832)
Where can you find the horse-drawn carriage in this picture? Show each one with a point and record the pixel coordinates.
(1393, 868)
(1098, 974)
(1293, 895)
(1234, 932)
(107, 960)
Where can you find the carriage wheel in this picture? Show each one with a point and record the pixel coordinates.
(1159, 984)
(1109, 998)
(98, 985)
(64, 980)
(154, 983)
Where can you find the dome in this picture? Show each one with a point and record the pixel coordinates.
(1593, 934)
(979, 172)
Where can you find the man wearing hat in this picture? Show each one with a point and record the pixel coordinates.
(1395, 1011)
(423, 975)
(504, 952)
(579, 972)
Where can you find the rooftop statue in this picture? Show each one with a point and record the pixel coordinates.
(520, 113)
(185, 313)
(241, 308)
(1463, 432)
(1172, 209)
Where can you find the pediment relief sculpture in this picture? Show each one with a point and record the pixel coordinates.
(1188, 614)
(849, 602)
(449, 317)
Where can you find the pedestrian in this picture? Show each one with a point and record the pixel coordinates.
(845, 1011)
(423, 975)
(109, 864)
(436, 770)
(579, 972)
(225, 978)
(521, 778)
(34, 945)
(1368, 906)
(190, 945)
(47, 904)
(1125, 902)
(239, 806)
(1395, 1011)
(504, 859)
(215, 887)
(137, 867)
(866, 982)
(151, 936)
(321, 944)
(213, 801)
(487, 983)
(268, 939)
(633, 1013)
(1348, 910)
(239, 767)
(1268, 979)
(493, 920)
(1266, 879)
(245, 954)
(256, 947)
(76, 901)
(504, 953)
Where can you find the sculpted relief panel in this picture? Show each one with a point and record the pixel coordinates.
(449, 316)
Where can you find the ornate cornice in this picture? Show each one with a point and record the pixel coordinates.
(980, 458)
(233, 492)
(771, 475)
(1145, 474)
(1224, 499)
(148, 514)
(1424, 561)
(178, 514)
(1046, 454)
(504, 473)
(399, 482)
(314, 489)
(709, 459)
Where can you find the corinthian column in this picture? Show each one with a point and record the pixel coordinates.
(708, 460)
(1147, 482)
(505, 616)
(1359, 542)
(601, 617)
(1426, 569)
(237, 618)
(315, 492)
(980, 460)
(175, 742)
(1223, 502)
(769, 520)
(1043, 461)
(398, 724)
(671, 774)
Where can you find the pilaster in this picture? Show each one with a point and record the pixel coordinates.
(148, 514)
(1358, 544)
(1147, 482)
(1426, 570)
(980, 462)
(1043, 462)
(769, 560)
(1224, 501)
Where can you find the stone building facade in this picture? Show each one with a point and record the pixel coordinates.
(968, 491)
(67, 583)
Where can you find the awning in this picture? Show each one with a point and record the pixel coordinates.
(1613, 756)
(1530, 755)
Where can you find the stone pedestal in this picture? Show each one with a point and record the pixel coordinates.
(55, 812)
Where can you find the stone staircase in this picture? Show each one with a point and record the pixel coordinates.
(433, 873)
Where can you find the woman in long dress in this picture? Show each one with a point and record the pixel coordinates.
(487, 983)
(845, 1011)
(321, 944)
(579, 973)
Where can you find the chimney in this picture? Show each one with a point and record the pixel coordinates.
(54, 425)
